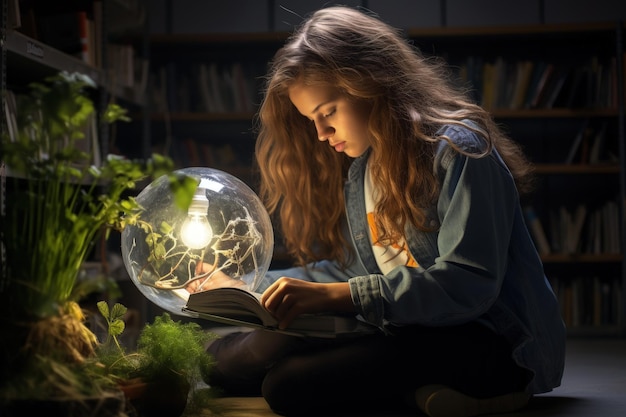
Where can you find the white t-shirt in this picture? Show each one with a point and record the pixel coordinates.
(387, 257)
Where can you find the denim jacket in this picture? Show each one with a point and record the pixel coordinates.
(479, 265)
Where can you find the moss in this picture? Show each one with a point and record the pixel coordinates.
(168, 345)
(169, 354)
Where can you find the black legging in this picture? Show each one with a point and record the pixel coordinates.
(298, 376)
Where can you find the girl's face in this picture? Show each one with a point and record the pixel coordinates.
(339, 120)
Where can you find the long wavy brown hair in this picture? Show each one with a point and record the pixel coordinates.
(410, 96)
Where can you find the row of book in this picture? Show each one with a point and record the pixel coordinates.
(528, 84)
(126, 68)
(78, 31)
(203, 87)
(577, 230)
(190, 152)
(499, 84)
(589, 145)
(588, 301)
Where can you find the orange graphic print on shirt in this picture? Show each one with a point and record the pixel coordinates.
(396, 254)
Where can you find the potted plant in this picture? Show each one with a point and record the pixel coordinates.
(55, 205)
(166, 366)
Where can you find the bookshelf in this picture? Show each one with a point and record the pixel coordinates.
(204, 91)
(33, 48)
(573, 131)
(30, 59)
(584, 98)
(27, 58)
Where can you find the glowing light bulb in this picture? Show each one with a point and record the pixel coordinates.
(196, 232)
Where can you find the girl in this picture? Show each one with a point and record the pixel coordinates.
(399, 199)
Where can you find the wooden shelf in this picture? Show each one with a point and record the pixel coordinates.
(218, 38)
(497, 113)
(434, 32)
(202, 117)
(516, 30)
(582, 258)
(35, 59)
(553, 113)
(587, 331)
(582, 169)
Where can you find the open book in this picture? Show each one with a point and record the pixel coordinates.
(238, 307)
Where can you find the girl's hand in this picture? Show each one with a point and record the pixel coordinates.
(288, 297)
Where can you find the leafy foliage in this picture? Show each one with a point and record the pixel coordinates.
(165, 346)
(167, 350)
(58, 204)
(115, 321)
(169, 345)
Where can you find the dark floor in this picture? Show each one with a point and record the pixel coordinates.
(594, 385)
(594, 382)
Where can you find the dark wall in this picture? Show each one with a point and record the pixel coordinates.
(239, 16)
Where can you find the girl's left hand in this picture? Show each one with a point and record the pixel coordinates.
(288, 297)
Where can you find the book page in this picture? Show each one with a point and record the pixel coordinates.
(239, 307)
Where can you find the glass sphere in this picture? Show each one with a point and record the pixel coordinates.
(226, 234)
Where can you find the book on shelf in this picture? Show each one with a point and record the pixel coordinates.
(122, 60)
(217, 84)
(15, 127)
(536, 231)
(73, 31)
(601, 231)
(242, 90)
(576, 143)
(10, 115)
(208, 100)
(239, 307)
(14, 18)
(508, 80)
(541, 87)
(522, 82)
(597, 151)
(170, 86)
(598, 82)
(588, 300)
(537, 71)
(590, 147)
(83, 32)
(570, 229)
(573, 223)
(528, 84)
(471, 73)
(610, 214)
(157, 83)
(575, 89)
(554, 225)
(500, 81)
(489, 85)
(555, 87)
(142, 75)
(93, 138)
(206, 87)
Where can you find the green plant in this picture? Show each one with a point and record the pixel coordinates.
(168, 351)
(57, 204)
(62, 202)
(172, 265)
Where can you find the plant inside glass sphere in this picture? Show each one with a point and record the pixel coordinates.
(226, 229)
